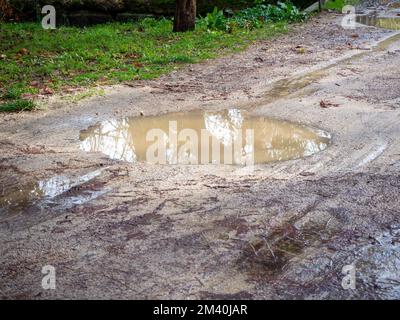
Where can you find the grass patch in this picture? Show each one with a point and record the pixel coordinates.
(37, 61)
(17, 105)
(338, 5)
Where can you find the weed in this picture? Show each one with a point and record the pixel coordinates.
(17, 105)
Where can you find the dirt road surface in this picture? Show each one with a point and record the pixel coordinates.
(138, 231)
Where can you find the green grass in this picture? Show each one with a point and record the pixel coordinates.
(33, 60)
(337, 5)
(17, 105)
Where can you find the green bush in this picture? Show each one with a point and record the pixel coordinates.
(288, 12)
(253, 17)
(216, 20)
(283, 11)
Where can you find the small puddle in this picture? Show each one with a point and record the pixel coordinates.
(196, 137)
(380, 22)
(44, 191)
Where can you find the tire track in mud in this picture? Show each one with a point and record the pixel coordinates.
(294, 85)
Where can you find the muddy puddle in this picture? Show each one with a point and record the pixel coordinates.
(48, 192)
(391, 23)
(228, 137)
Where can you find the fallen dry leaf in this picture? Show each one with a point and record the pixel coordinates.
(47, 90)
(34, 150)
(35, 84)
(27, 96)
(23, 51)
(137, 65)
(133, 55)
(327, 104)
(70, 90)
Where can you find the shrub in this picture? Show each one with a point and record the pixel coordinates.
(253, 17)
(283, 11)
(216, 20)
(6, 11)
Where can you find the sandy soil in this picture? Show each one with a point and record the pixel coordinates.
(285, 230)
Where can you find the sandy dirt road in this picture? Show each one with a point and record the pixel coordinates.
(285, 230)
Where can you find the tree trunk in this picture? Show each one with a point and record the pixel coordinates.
(6, 11)
(185, 15)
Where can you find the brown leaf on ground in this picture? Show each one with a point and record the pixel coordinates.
(27, 96)
(34, 84)
(70, 90)
(23, 51)
(34, 150)
(137, 65)
(327, 104)
(47, 90)
(133, 55)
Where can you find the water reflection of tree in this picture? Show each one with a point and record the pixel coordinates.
(273, 140)
(226, 128)
(21, 196)
(284, 140)
(112, 138)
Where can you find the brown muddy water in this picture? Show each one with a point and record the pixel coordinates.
(380, 22)
(228, 137)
